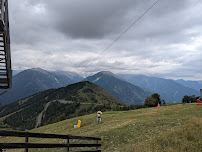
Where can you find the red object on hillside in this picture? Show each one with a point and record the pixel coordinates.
(158, 111)
(198, 102)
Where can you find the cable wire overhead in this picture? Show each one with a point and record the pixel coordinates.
(121, 34)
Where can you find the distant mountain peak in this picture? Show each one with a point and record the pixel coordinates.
(108, 73)
(34, 80)
(122, 90)
(37, 69)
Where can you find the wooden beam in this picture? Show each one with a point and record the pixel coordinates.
(43, 135)
(42, 145)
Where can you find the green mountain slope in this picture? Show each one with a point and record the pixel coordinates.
(56, 104)
(179, 128)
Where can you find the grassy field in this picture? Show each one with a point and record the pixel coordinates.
(178, 129)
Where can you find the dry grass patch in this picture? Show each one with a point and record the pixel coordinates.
(186, 138)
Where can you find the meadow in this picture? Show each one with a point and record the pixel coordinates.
(179, 129)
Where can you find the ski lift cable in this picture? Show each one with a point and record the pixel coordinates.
(121, 35)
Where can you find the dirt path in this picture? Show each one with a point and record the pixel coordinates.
(39, 117)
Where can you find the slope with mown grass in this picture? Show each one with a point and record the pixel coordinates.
(179, 128)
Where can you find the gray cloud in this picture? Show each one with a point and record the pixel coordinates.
(68, 35)
(89, 18)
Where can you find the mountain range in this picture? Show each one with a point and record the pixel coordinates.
(31, 81)
(128, 88)
(170, 90)
(196, 85)
(119, 88)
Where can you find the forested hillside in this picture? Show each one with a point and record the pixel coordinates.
(56, 104)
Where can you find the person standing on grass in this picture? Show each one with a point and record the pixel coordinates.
(99, 116)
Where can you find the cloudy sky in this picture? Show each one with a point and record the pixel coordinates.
(70, 34)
